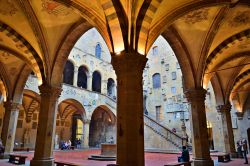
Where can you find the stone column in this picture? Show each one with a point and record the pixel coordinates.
(46, 126)
(89, 82)
(130, 126)
(201, 154)
(75, 76)
(227, 129)
(86, 134)
(9, 127)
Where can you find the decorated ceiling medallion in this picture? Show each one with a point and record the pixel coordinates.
(196, 16)
(241, 18)
(52, 7)
(8, 9)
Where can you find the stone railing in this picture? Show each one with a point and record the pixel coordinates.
(164, 132)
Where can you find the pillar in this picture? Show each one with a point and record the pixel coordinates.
(200, 145)
(86, 134)
(130, 126)
(43, 155)
(227, 129)
(9, 127)
(89, 82)
(75, 76)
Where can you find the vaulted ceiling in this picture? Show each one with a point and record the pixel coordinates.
(211, 38)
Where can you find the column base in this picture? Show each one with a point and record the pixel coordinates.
(42, 162)
(201, 162)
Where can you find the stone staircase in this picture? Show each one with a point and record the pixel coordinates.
(174, 140)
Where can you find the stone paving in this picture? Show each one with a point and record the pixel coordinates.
(151, 159)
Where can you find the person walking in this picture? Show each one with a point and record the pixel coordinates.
(244, 149)
(239, 150)
(184, 155)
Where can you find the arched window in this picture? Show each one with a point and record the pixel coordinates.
(68, 73)
(111, 87)
(82, 77)
(98, 51)
(156, 80)
(96, 82)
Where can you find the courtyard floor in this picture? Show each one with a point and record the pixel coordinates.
(80, 157)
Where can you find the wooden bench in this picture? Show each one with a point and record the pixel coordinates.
(72, 147)
(17, 159)
(224, 158)
(62, 163)
(112, 165)
(188, 163)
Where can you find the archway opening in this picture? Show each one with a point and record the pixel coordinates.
(82, 77)
(102, 127)
(96, 82)
(68, 73)
(70, 128)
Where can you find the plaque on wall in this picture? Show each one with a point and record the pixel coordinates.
(19, 123)
(34, 125)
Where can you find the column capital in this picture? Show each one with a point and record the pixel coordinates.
(195, 94)
(128, 62)
(48, 90)
(223, 108)
(12, 106)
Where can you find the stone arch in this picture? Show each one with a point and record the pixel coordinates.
(69, 110)
(31, 103)
(68, 73)
(225, 45)
(96, 81)
(82, 77)
(22, 44)
(183, 56)
(102, 126)
(169, 18)
(218, 91)
(28, 119)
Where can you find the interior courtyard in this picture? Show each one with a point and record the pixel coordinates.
(147, 76)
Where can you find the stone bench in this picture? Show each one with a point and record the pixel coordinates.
(224, 157)
(63, 163)
(17, 159)
(188, 163)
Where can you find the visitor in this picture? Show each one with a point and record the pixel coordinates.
(69, 145)
(244, 150)
(239, 150)
(184, 155)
